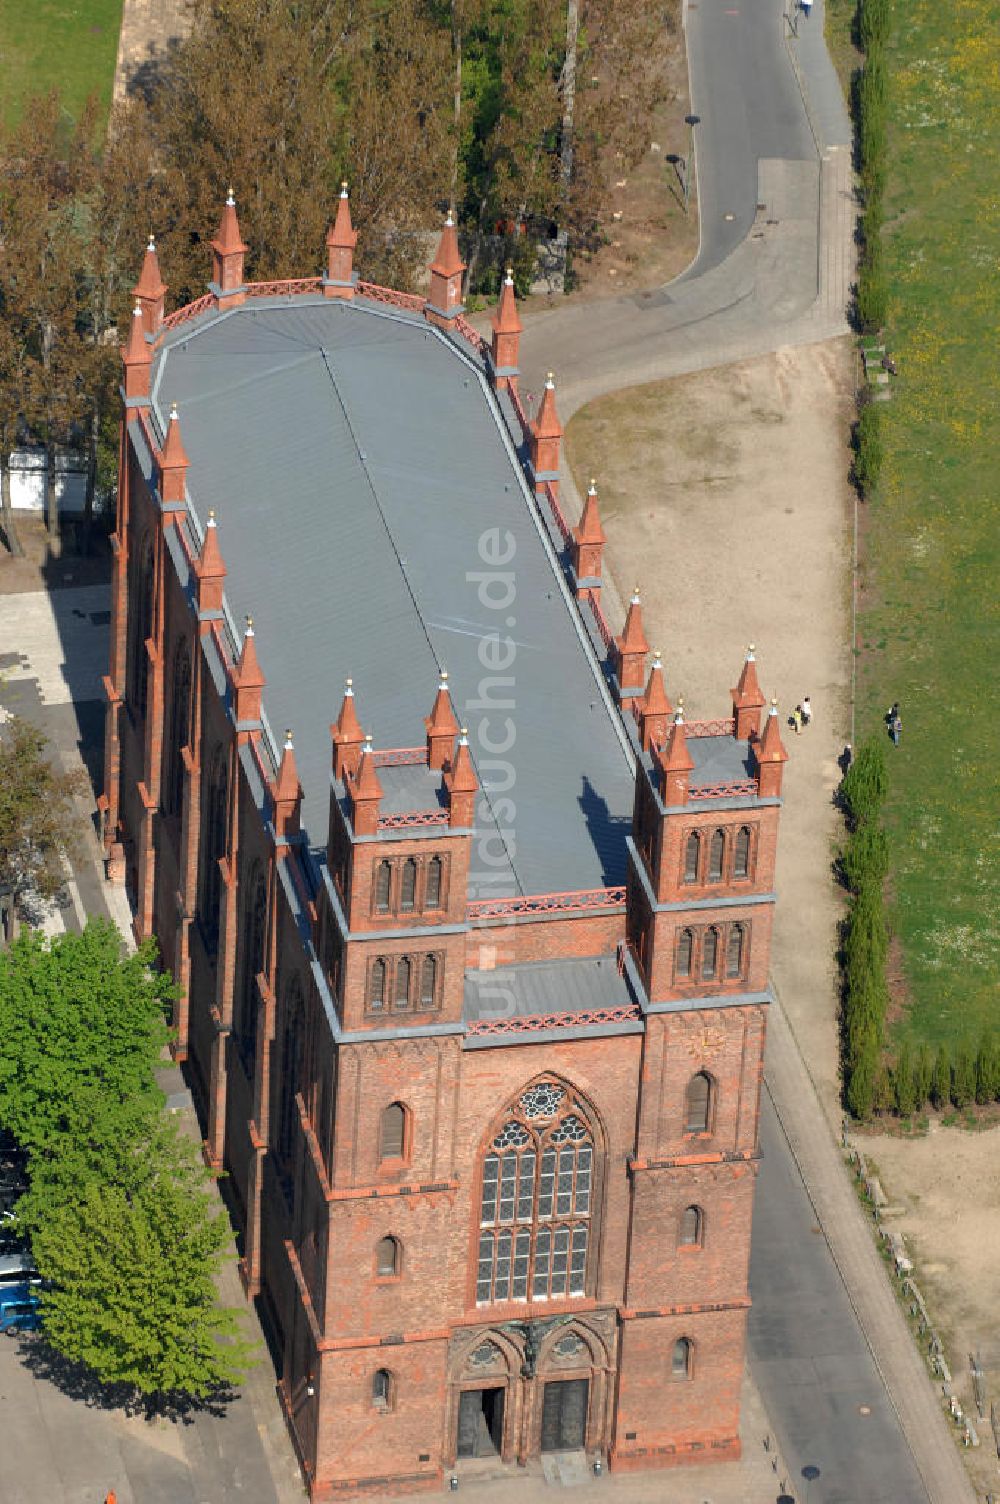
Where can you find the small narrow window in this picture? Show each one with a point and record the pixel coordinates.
(386, 1258)
(715, 855)
(709, 953)
(691, 1225)
(685, 946)
(432, 896)
(692, 855)
(741, 857)
(408, 891)
(402, 988)
(376, 989)
(680, 1362)
(382, 1389)
(698, 1104)
(428, 981)
(734, 951)
(392, 1130)
(383, 881)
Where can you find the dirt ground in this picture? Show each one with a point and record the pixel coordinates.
(727, 501)
(948, 1187)
(652, 240)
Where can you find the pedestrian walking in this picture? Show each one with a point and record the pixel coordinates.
(805, 6)
(845, 759)
(797, 720)
(896, 727)
(807, 711)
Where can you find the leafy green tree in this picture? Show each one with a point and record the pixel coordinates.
(902, 1080)
(987, 1070)
(37, 823)
(923, 1075)
(963, 1087)
(941, 1079)
(133, 1263)
(82, 1028)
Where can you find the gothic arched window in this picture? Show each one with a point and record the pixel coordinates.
(401, 991)
(382, 1395)
(734, 951)
(432, 892)
(692, 857)
(376, 986)
(698, 1104)
(741, 855)
(709, 953)
(392, 1132)
(716, 852)
(428, 981)
(254, 940)
(408, 888)
(692, 1223)
(180, 731)
(680, 1361)
(537, 1200)
(685, 948)
(387, 1258)
(291, 1078)
(140, 609)
(383, 882)
(215, 817)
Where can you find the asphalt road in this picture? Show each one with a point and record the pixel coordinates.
(744, 90)
(808, 1355)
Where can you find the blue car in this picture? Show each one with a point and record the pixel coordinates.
(20, 1309)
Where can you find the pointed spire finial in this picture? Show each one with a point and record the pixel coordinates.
(211, 517)
(288, 740)
(151, 242)
(509, 276)
(231, 197)
(343, 187)
(249, 630)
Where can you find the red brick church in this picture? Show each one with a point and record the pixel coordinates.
(473, 964)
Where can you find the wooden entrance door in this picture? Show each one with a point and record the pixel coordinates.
(480, 1423)
(564, 1415)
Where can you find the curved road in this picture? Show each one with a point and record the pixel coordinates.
(846, 1390)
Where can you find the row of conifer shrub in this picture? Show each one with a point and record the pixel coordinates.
(870, 101)
(864, 863)
(972, 1076)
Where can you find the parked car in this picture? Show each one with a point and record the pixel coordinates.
(17, 1268)
(20, 1309)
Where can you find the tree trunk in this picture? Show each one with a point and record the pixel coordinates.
(477, 244)
(569, 101)
(9, 531)
(456, 47)
(88, 504)
(51, 504)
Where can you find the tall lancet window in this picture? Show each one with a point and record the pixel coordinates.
(537, 1199)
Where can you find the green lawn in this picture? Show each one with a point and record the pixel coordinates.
(70, 45)
(931, 623)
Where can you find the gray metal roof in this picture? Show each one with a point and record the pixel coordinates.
(355, 462)
(718, 759)
(541, 987)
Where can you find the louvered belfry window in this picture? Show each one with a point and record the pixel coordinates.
(537, 1200)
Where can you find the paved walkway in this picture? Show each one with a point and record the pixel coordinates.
(150, 28)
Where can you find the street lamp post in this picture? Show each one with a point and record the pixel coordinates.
(691, 121)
